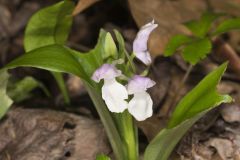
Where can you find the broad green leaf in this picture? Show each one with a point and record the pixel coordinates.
(193, 106)
(201, 27)
(102, 157)
(5, 101)
(50, 25)
(174, 43)
(227, 25)
(54, 58)
(109, 47)
(196, 50)
(20, 90)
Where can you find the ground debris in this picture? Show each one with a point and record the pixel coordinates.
(39, 134)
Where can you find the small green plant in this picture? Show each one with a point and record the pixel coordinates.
(195, 47)
(109, 75)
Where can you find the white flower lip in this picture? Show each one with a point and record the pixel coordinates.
(106, 71)
(140, 42)
(113, 93)
(141, 106)
(139, 83)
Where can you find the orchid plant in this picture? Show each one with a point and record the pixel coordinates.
(109, 74)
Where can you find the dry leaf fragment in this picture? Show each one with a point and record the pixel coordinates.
(82, 5)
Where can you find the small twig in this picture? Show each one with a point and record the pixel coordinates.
(175, 96)
(226, 51)
(178, 90)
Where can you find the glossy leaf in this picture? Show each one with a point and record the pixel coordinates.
(50, 25)
(196, 50)
(175, 42)
(227, 25)
(193, 106)
(53, 58)
(201, 27)
(5, 101)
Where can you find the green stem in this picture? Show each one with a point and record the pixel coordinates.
(62, 86)
(129, 135)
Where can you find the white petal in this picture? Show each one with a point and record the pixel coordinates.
(139, 83)
(140, 43)
(141, 106)
(106, 71)
(114, 95)
(144, 56)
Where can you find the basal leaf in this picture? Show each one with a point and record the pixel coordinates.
(227, 25)
(5, 101)
(174, 43)
(196, 50)
(20, 90)
(201, 98)
(55, 58)
(201, 27)
(50, 25)
(193, 106)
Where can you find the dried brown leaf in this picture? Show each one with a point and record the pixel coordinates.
(82, 5)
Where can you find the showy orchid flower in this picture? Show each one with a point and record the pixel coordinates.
(140, 43)
(140, 106)
(113, 93)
